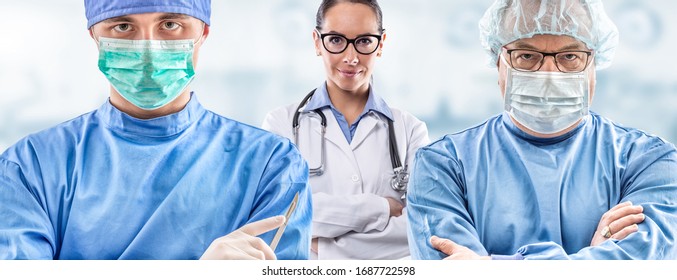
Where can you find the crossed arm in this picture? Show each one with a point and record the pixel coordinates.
(643, 231)
(624, 218)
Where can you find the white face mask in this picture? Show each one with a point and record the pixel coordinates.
(547, 102)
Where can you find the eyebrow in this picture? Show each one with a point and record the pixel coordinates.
(344, 35)
(570, 47)
(165, 16)
(173, 16)
(119, 19)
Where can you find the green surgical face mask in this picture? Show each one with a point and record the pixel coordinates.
(147, 73)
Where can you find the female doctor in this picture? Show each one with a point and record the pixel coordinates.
(358, 148)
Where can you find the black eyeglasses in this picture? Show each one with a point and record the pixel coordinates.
(532, 61)
(337, 43)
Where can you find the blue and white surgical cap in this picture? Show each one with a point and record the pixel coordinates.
(99, 10)
(585, 20)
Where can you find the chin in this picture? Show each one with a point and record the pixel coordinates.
(350, 85)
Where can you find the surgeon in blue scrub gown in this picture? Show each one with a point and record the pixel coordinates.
(151, 174)
(546, 179)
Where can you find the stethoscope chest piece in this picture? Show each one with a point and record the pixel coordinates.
(400, 180)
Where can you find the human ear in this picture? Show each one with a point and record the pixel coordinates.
(205, 32)
(380, 47)
(316, 40)
(203, 36)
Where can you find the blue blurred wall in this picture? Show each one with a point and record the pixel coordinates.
(260, 55)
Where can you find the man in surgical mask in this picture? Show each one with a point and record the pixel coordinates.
(151, 174)
(547, 178)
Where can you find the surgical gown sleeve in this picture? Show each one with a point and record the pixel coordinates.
(25, 228)
(286, 174)
(648, 178)
(436, 204)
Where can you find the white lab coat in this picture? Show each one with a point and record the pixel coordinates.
(351, 217)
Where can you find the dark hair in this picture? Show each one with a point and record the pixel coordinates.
(328, 4)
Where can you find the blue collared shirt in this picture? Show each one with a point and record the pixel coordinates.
(375, 103)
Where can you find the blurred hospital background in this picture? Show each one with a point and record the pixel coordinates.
(260, 55)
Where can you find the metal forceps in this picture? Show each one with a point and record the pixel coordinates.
(280, 230)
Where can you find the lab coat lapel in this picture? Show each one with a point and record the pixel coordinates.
(334, 133)
(364, 128)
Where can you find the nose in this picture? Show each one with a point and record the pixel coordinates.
(350, 55)
(549, 64)
(146, 34)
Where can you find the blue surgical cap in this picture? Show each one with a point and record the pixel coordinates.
(99, 10)
(585, 20)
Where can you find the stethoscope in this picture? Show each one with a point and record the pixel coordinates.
(400, 179)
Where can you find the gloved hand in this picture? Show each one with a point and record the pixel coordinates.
(243, 244)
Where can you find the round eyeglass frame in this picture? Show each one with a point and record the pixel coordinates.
(350, 41)
(554, 58)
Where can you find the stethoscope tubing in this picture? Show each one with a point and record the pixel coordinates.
(398, 182)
